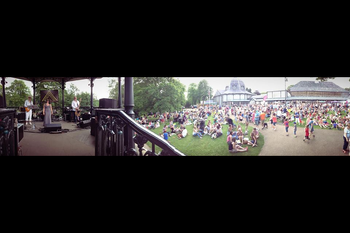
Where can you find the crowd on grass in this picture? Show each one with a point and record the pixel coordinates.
(306, 115)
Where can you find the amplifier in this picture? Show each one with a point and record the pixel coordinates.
(21, 116)
(108, 103)
(84, 124)
(52, 127)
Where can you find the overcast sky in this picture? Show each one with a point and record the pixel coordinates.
(261, 84)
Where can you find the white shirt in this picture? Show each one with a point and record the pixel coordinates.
(27, 103)
(184, 133)
(75, 104)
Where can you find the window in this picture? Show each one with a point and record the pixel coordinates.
(236, 97)
(225, 97)
(230, 97)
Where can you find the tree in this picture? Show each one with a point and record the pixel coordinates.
(158, 94)
(324, 79)
(86, 100)
(203, 90)
(289, 87)
(256, 92)
(113, 86)
(248, 89)
(17, 93)
(192, 95)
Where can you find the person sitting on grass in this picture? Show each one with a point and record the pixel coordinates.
(253, 138)
(240, 135)
(238, 147)
(165, 135)
(182, 133)
(229, 138)
(152, 125)
(218, 131)
(196, 133)
(230, 129)
(212, 129)
(207, 129)
(256, 133)
(157, 124)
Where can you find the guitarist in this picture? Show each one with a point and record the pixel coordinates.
(28, 104)
(75, 107)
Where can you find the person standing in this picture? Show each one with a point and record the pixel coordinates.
(286, 124)
(295, 129)
(262, 118)
(274, 121)
(28, 104)
(75, 107)
(47, 112)
(346, 137)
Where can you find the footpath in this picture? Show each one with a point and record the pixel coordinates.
(325, 143)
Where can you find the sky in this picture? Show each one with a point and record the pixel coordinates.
(262, 84)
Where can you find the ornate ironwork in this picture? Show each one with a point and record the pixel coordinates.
(140, 141)
(111, 138)
(7, 138)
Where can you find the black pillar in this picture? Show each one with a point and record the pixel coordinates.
(63, 86)
(119, 93)
(129, 109)
(34, 90)
(3, 82)
(92, 94)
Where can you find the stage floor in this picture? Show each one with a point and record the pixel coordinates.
(76, 142)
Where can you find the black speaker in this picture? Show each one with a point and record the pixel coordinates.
(84, 124)
(21, 117)
(52, 127)
(93, 126)
(86, 116)
(108, 103)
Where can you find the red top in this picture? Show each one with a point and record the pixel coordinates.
(286, 123)
(274, 119)
(307, 131)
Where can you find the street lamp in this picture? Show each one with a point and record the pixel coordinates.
(285, 90)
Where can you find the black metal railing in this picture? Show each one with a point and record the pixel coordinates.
(111, 130)
(7, 136)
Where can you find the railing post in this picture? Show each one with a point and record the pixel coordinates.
(3, 82)
(129, 109)
(119, 92)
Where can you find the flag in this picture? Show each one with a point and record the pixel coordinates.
(265, 97)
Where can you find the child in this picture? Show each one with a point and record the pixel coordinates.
(295, 129)
(274, 120)
(286, 124)
(306, 133)
(165, 135)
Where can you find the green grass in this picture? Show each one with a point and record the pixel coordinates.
(194, 146)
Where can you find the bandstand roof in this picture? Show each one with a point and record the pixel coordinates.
(54, 79)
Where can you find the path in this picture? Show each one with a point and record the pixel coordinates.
(326, 143)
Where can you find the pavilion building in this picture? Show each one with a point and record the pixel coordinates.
(235, 94)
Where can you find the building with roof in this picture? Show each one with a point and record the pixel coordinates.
(235, 93)
(317, 91)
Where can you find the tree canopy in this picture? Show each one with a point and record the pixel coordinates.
(158, 94)
(324, 79)
(256, 92)
(200, 92)
(17, 93)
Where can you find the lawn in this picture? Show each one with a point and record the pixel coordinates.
(194, 146)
